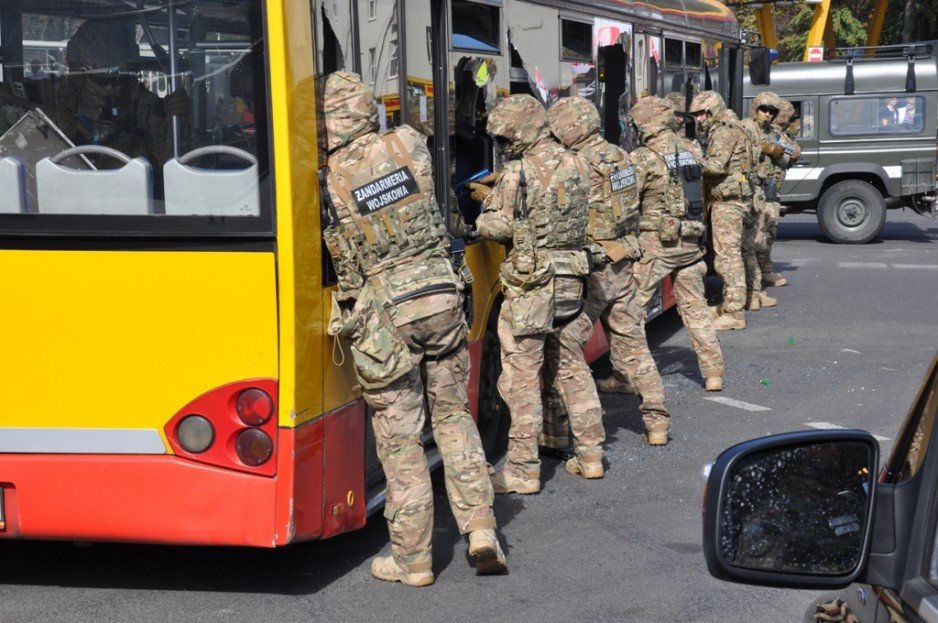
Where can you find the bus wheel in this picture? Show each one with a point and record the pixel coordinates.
(493, 412)
(851, 212)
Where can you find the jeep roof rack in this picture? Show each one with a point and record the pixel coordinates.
(881, 52)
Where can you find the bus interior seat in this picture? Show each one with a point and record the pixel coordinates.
(12, 186)
(124, 191)
(196, 191)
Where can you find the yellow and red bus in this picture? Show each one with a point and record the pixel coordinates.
(166, 373)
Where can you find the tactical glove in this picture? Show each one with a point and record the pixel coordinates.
(479, 191)
(773, 150)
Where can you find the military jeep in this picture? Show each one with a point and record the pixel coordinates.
(868, 135)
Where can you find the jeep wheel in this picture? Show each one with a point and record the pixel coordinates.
(851, 212)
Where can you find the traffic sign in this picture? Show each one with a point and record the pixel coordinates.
(815, 54)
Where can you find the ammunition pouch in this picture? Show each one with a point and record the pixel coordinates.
(344, 261)
(571, 272)
(380, 352)
(692, 229)
(529, 296)
(735, 186)
(625, 247)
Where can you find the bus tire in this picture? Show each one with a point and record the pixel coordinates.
(851, 212)
(493, 415)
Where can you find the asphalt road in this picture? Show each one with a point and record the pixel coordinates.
(847, 346)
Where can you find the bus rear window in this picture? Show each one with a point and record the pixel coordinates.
(476, 26)
(110, 125)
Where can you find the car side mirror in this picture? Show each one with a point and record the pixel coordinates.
(760, 67)
(792, 510)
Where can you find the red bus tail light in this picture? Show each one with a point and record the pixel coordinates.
(254, 447)
(254, 406)
(232, 427)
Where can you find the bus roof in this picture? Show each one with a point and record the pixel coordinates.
(828, 78)
(706, 16)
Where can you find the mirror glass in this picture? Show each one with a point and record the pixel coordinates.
(799, 509)
(759, 67)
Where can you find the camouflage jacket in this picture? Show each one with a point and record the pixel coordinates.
(784, 138)
(389, 221)
(557, 198)
(728, 160)
(614, 190)
(661, 192)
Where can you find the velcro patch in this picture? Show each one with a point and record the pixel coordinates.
(620, 179)
(387, 190)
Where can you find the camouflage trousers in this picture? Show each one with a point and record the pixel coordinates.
(398, 421)
(771, 216)
(611, 299)
(566, 370)
(683, 262)
(752, 240)
(726, 219)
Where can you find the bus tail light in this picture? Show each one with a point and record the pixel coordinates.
(254, 447)
(196, 433)
(254, 406)
(232, 427)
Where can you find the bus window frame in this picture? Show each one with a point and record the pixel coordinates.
(576, 20)
(499, 7)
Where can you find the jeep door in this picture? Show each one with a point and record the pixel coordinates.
(801, 180)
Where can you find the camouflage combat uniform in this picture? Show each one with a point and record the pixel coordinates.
(399, 303)
(543, 279)
(670, 241)
(780, 135)
(613, 235)
(101, 102)
(756, 126)
(726, 164)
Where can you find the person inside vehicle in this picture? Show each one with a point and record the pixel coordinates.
(910, 116)
(35, 70)
(889, 112)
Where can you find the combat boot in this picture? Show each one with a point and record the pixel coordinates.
(773, 279)
(614, 385)
(754, 301)
(713, 383)
(730, 320)
(656, 434)
(586, 469)
(768, 301)
(390, 570)
(503, 482)
(487, 552)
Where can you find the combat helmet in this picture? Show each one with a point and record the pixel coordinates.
(679, 101)
(520, 122)
(349, 109)
(767, 99)
(573, 120)
(99, 44)
(651, 116)
(709, 101)
(785, 113)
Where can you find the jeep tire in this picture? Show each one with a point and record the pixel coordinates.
(851, 212)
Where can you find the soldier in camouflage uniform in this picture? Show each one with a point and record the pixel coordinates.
(671, 229)
(539, 204)
(762, 112)
(782, 139)
(613, 240)
(101, 101)
(399, 301)
(726, 164)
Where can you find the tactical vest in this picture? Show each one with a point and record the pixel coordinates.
(761, 162)
(736, 184)
(618, 213)
(557, 209)
(682, 194)
(385, 214)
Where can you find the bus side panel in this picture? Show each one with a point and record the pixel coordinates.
(299, 499)
(145, 499)
(344, 500)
